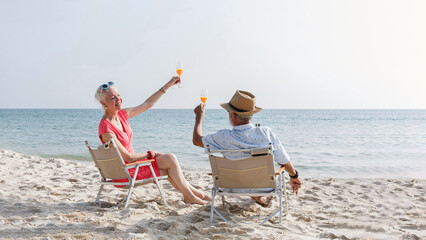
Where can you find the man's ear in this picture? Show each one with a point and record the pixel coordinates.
(233, 116)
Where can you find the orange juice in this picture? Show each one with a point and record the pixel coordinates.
(179, 71)
(203, 99)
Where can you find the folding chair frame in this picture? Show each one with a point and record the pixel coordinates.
(132, 181)
(278, 191)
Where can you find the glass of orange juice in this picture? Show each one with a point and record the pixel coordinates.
(204, 96)
(179, 70)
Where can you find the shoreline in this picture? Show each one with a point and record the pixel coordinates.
(54, 198)
(201, 168)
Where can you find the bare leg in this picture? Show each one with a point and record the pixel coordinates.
(164, 172)
(195, 191)
(169, 162)
(200, 194)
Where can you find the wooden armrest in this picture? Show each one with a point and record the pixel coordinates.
(280, 171)
(139, 162)
(210, 174)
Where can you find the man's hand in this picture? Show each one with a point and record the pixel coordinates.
(295, 184)
(199, 111)
(197, 137)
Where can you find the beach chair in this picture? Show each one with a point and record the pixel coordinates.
(253, 176)
(111, 166)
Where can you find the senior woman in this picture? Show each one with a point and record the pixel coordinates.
(115, 124)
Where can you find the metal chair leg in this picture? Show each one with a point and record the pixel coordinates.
(132, 184)
(280, 208)
(158, 185)
(213, 209)
(285, 194)
(128, 196)
(212, 205)
(98, 198)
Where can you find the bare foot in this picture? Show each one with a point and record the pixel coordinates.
(263, 201)
(206, 197)
(193, 200)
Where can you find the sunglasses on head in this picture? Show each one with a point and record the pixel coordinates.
(107, 85)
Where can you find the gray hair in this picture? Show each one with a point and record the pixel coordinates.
(100, 93)
(244, 117)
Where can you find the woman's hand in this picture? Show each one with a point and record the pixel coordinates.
(156, 153)
(175, 80)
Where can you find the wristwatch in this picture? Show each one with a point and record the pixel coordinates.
(295, 176)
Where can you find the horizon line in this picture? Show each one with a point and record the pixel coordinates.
(53, 108)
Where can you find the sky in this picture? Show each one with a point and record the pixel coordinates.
(329, 54)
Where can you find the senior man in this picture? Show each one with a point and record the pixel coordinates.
(244, 135)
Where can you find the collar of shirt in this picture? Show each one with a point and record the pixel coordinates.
(243, 127)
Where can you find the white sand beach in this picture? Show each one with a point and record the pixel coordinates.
(54, 199)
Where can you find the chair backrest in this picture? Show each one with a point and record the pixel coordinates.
(109, 161)
(255, 172)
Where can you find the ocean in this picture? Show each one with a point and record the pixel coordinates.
(321, 143)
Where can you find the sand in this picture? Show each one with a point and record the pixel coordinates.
(54, 199)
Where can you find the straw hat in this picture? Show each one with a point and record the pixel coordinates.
(242, 102)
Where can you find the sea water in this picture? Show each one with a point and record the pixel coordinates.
(321, 143)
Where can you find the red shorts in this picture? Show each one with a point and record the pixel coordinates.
(143, 173)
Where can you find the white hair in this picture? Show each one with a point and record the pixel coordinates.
(100, 93)
(244, 117)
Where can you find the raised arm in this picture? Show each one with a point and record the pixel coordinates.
(152, 100)
(197, 134)
(128, 157)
